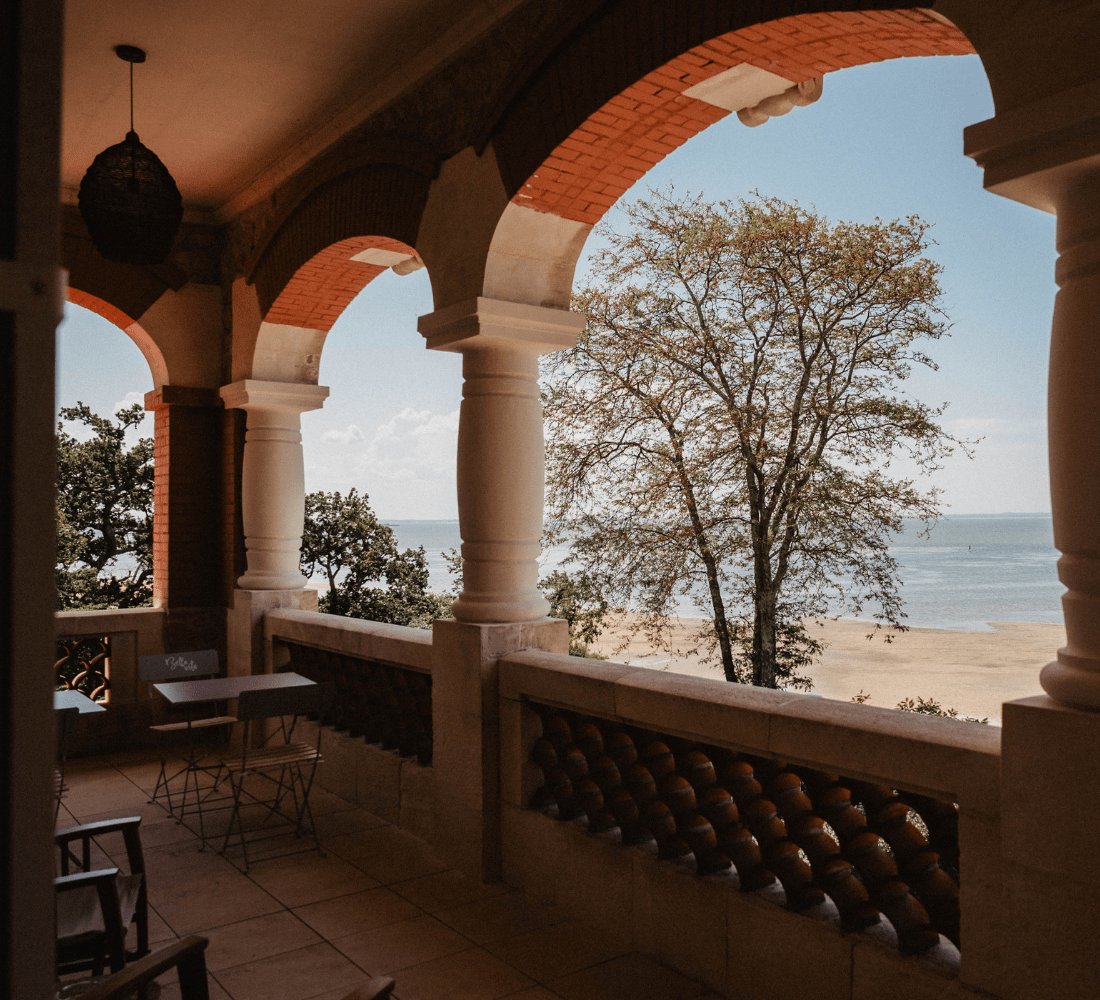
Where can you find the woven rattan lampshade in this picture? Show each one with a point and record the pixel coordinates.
(128, 199)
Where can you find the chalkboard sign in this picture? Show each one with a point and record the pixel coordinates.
(178, 666)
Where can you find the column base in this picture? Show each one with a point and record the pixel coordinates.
(245, 625)
(466, 724)
(1070, 685)
(487, 609)
(260, 580)
(1051, 847)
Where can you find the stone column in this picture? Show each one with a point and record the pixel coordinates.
(1033, 908)
(1073, 428)
(501, 470)
(273, 478)
(501, 460)
(272, 508)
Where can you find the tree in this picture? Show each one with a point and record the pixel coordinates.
(577, 598)
(345, 540)
(725, 426)
(104, 513)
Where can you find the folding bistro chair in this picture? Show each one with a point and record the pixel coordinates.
(183, 667)
(294, 763)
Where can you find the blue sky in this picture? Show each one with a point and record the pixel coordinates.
(884, 140)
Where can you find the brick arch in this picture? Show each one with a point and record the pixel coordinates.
(321, 288)
(383, 198)
(603, 154)
(158, 367)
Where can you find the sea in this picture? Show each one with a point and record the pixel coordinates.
(971, 570)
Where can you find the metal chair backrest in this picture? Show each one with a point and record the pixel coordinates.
(302, 699)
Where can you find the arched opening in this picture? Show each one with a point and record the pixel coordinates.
(644, 132)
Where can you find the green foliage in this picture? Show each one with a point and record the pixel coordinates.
(930, 706)
(923, 706)
(104, 511)
(725, 425)
(357, 553)
(577, 598)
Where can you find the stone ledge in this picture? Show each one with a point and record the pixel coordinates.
(939, 757)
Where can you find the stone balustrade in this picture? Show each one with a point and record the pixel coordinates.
(760, 841)
(378, 745)
(124, 634)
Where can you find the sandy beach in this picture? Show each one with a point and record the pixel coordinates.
(974, 672)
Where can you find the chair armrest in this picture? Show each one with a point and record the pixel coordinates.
(186, 954)
(95, 829)
(67, 883)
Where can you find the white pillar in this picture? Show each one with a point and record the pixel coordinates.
(273, 478)
(1073, 411)
(501, 459)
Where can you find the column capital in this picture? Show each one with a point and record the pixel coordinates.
(290, 397)
(1034, 153)
(483, 322)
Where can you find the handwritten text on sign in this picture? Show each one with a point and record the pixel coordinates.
(165, 666)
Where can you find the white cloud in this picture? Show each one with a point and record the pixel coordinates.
(406, 465)
(413, 444)
(352, 433)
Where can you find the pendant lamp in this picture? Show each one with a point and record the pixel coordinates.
(128, 199)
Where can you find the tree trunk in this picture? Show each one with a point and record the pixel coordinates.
(763, 639)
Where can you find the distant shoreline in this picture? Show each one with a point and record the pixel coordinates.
(974, 672)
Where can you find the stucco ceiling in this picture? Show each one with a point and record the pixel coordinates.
(237, 94)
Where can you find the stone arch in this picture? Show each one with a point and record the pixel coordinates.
(576, 159)
(333, 203)
(755, 70)
(152, 353)
(291, 332)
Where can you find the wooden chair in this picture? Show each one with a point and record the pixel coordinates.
(186, 956)
(95, 908)
(294, 762)
(187, 666)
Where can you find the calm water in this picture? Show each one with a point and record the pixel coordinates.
(970, 571)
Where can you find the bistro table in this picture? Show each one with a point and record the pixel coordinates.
(224, 688)
(76, 699)
(67, 704)
(192, 694)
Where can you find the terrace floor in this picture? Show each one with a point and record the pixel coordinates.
(380, 902)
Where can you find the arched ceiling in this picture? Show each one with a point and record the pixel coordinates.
(236, 95)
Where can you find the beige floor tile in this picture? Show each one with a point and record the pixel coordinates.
(302, 879)
(170, 989)
(500, 917)
(534, 993)
(556, 951)
(385, 950)
(361, 911)
(445, 889)
(183, 863)
(211, 901)
(294, 975)
(159, 931)
(632, 977)
(115, 796)
(388, 854)
(467, 975)
(260, 937)
(349, 821)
